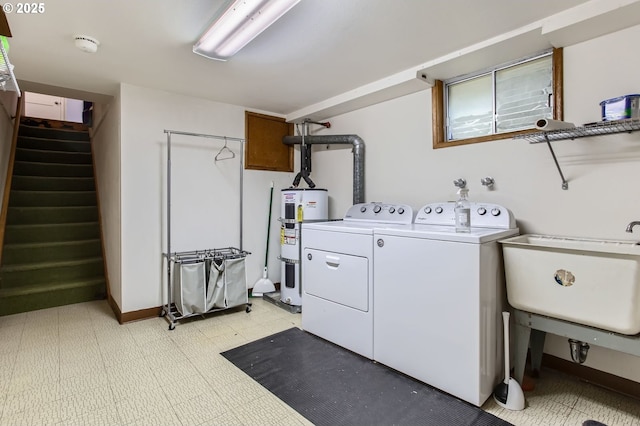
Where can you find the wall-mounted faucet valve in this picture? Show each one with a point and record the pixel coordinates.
(460, 183)
(488, 182)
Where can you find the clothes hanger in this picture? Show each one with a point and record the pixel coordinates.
(223, 151)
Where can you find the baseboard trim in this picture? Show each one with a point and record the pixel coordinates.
(140, 315)
(115, 308)
(133, 315)
(591, 375)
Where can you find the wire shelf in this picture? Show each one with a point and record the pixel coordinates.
(207, 254)
(8, 80)
(596, 129)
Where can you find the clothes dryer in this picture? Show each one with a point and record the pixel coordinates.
(337, 271)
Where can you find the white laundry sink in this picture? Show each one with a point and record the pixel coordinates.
(591, 282)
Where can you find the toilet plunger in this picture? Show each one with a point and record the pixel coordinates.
(508, 394)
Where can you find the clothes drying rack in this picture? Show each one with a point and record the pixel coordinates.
(219, 255)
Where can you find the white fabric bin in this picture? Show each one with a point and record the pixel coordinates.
(235, 282)
(189, 287)
(215, 286)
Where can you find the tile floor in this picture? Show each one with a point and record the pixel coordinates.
(75, 365)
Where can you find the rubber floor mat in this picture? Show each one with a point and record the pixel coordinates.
(330, 385)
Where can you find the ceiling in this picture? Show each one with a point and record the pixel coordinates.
(320, 49)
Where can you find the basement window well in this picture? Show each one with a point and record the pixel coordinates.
(497, 103)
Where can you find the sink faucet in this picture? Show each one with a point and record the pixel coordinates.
(631, 225)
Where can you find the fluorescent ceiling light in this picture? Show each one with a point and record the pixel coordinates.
(238, 24)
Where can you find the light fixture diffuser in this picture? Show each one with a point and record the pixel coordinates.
(240, 23)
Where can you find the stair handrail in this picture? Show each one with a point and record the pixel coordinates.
(9, 177)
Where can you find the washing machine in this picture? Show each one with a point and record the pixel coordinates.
(438, 299)
(337, 271)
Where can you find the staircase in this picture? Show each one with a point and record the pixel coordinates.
(52, 252)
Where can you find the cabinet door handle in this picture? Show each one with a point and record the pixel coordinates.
(332, 261)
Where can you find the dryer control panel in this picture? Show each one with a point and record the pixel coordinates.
(380, 212)
(483, 215)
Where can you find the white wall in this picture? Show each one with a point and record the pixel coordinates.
(106, 153)
(603, 172)
(205, 195)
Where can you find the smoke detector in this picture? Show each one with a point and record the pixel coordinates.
(86, 43)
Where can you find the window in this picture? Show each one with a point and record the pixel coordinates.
(497, 103)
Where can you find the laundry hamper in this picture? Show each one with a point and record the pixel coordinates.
(215, 286)
(204, 281)
(189, 287)
(235, 282)
(227, 285)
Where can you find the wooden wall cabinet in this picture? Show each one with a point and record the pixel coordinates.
(264, 147)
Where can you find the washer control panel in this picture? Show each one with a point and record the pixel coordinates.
(483, 215)
(380, 212)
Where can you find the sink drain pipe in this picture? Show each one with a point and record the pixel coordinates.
(578, 351)
(358, 156)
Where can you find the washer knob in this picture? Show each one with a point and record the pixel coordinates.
(400, 210)
(392, 210)
(495, 212)
(427, 210)
(377, 209)
(482, 211)
(438, 210)
(363, 209)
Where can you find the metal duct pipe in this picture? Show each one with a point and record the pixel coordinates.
(358, 156)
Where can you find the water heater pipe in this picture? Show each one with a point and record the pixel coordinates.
(358, 156)
(305, 160)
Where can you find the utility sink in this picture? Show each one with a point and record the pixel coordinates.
(586, 281)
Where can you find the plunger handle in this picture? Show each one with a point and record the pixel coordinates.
(507, 367)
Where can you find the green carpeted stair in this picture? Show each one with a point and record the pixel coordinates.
(52, 252)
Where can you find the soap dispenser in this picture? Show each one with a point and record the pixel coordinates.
(462, 211)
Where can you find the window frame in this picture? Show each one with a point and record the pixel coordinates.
(439, 114)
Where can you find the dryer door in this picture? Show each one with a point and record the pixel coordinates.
(337, 277)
